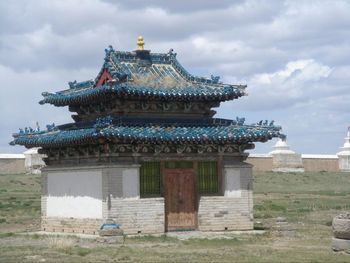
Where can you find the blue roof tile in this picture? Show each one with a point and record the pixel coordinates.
(149, 133)
(163, 78)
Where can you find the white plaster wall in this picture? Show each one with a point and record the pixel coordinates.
(131, 183)
(76, 194)
(232, 182)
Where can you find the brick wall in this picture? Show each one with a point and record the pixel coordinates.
(144, 215)
(218, 213)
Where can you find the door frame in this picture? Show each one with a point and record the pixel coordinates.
(194, 171)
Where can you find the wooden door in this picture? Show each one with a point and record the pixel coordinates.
(180, 199)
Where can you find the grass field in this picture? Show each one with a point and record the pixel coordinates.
(308, 202)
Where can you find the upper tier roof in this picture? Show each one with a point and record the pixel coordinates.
(144, 75)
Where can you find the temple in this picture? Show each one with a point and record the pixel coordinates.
(145, 150)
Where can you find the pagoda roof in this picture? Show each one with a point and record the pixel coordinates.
(212, 131)
(144, 75)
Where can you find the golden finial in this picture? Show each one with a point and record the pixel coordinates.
(140, 43)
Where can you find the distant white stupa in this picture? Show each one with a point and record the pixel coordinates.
(33, 161)
(344, 154)
(284, 159)
(281, 147)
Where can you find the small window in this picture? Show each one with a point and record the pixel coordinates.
(178, 165)
(150, 179)
(208, 182)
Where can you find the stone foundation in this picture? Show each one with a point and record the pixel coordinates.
(71, 225)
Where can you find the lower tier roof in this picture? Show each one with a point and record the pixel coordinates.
(65, 136)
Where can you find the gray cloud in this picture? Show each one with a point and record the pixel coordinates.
(181, 6)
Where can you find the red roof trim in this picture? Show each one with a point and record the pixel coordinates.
(104, 78)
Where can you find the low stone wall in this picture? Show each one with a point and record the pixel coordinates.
(12, 164)
(260, 162)
(318, 163)
(311, 162)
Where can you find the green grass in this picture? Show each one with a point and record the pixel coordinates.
(9, 234)
(297, 196)
(19, 202)
(153, 238)
(308, 201)
(83, 251)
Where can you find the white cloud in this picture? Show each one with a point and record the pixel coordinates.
(297, 82)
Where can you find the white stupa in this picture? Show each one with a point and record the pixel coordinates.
(33, 161)
(344, 154)
(281, 147)
(284, 159)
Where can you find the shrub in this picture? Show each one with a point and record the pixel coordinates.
(62, 244)
(83, 251)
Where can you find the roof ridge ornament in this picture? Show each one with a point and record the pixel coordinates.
(172, 53)
(215, 79)
(109, 50)
(140, 43)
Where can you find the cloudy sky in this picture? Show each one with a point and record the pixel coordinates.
(293, 55)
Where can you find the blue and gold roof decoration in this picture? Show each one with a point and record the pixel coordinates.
(144, 75)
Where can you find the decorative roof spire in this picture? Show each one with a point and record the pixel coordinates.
(346, 146)
(140, 43)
